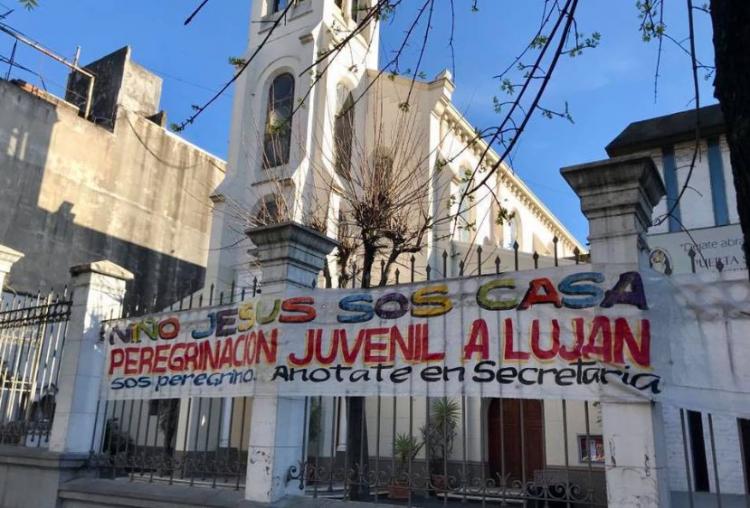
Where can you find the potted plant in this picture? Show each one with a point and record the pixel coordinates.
(438, 434)
(406, 448)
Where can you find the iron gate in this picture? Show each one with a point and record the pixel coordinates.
(32, 337)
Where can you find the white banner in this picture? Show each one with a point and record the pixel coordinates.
(578, 332)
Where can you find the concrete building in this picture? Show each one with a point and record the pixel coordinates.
(705, 217)
(705, 221)
(115, 185)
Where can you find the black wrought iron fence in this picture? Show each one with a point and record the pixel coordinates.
(32, 337)
(441, 450)
(191, 440)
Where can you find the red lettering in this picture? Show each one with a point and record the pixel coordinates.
(479, 341)
(309, 349)
(265, 347)
(239, 359)
(145, 360)
(302, 305)
(540, 291)
(131, 360)
(545, 354)
(406, 348)
(574, 354)
(176, 361)
(603, 350)
(510, 353)
(329, 358)
(116, 359)
(160, 359)
(373, 349)
(426, 355)
(639, 352)
(227, 353)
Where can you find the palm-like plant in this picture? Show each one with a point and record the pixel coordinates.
(406, 447)
(439, 433)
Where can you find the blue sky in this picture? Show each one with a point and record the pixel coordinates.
(605, 88)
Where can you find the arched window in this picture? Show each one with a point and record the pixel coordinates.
(514, 227)
(270, 210)
(355, 10)
(498, 220)
(278, 130)
(343, 131)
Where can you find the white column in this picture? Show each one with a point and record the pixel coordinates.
(8, 257)
(617, 197)
(98, 291)
(290, 256)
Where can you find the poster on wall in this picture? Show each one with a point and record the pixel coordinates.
(590, 449)
(585, 333)
(712, 246)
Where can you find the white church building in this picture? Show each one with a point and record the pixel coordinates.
(298, 122)
(300, 125)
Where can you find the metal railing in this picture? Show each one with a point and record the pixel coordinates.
(192, 440)
(497, 451)
(32, 337)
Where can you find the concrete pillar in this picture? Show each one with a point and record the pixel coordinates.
(98, 291)
(8, 257)
(617, 197)
(290, 256)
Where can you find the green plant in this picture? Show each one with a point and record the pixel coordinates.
(439, 433)
(406, 447)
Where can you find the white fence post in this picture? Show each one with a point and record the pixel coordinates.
(8, 257)
(617, 197)
(290, 256)
(98, 291)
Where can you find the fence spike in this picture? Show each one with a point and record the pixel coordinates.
(242, 296)
(190, 302)
(536, 259)
(479, 259)
(200, 300)
(327, 275)
(719, 265)
(211, 295)
(554, 242)
(497, 265)
(445, 264)
(221, 298)
(577, 254)
(461, 268)
(515, 253)
(412, 259)
(428, 271)
(255, 286)
(397, 273)
(231, 292)
(691, 253)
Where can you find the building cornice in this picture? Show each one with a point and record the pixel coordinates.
(458, 123)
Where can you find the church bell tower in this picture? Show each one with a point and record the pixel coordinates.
(285, 107)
